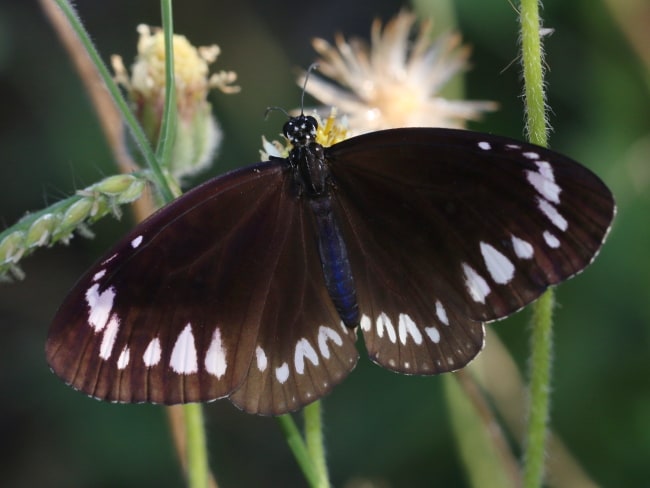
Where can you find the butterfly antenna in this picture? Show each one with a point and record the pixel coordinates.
(312, 67)
(279, 109)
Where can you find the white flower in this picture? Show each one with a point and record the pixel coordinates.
(393, 82)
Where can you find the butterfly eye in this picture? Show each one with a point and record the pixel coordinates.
(247, 289)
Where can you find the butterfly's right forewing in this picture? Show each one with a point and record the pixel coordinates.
(211, 289)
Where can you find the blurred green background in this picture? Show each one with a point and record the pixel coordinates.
(380, 426)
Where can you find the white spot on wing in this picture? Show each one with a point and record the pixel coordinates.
(553, 215)
(530, 155)
(304, 350)
(433, 333)
(551, 240)
(544, 182)
(183, 359)
(282, 373)
(260, 357)
(545, 169)
(441, 313)
(384, 322)
(407, 327)
(500, 267)
(108, 340)
(100, 305)
(484, 145)
(152, 353)
(325, 334)
(215, 357)
(476, 285)
(365, 323)
(523, 249)
(123, 360)
(344, 327)
(109, 259)
(99, 275)
(136, 242)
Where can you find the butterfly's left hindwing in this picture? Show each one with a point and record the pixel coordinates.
(204, 297)
(447, 229)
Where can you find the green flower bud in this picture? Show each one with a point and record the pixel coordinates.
(12, 247)
(132, 193)
(115, 185)
(41, 230)
(76, 213)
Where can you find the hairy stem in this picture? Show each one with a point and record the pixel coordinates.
(542, 323)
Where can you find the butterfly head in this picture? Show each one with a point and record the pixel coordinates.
(301, 130)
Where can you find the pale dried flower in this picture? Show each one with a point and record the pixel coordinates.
(198, 135)
(394, 82)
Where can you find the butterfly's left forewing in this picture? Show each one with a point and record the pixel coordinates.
(199, 300)
(446, 229)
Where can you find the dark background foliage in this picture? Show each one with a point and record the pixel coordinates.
(378, 425)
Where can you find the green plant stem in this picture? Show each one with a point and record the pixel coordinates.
(197, 460)
(315, 443)
(122, 105)
(532, 54)
(539, 391)
(167, 133)
(542, 323)
(197, 455)
(299, 449)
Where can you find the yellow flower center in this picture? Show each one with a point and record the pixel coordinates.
(331, 132)
(396, 102)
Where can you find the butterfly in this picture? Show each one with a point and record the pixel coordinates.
(255, 285)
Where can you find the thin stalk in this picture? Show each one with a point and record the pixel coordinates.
(197, 460)
(315, 443)
(539, 391)
(533, 64)
(122, 105)
(542, 322)
(167, 133)
(299, 449)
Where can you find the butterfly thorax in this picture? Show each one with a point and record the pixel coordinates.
(307, 159)
(310, 171)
